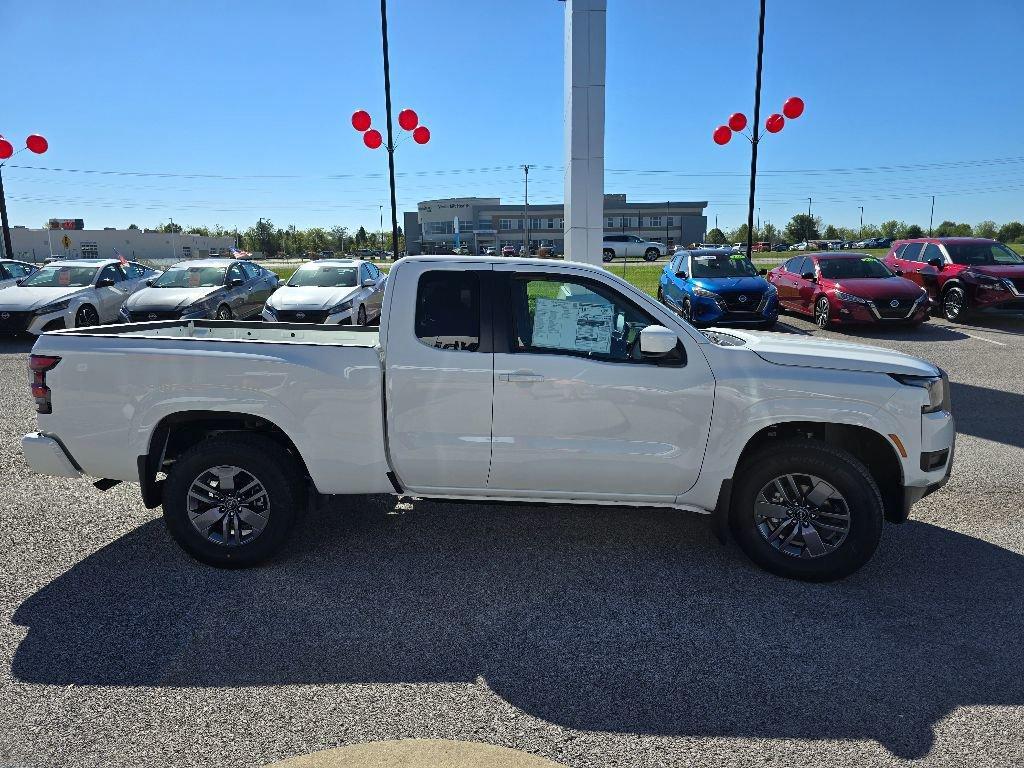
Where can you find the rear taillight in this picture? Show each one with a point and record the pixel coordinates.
(38, 365)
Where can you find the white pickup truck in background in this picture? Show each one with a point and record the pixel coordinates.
(502, 379)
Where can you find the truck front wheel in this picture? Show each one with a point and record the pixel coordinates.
(230, 501)
(806, 510)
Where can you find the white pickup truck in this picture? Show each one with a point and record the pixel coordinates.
(499, 379)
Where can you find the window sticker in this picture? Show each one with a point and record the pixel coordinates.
(573, 325)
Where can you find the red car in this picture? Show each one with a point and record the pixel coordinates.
(846, 289)
(961, 274)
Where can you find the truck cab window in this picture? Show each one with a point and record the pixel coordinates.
(582, 318)
(448, 310)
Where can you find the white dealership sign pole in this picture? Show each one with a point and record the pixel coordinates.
(584, 128)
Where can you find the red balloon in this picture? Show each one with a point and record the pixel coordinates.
(361, 120)
(408, 119)
(737, 121)
(421, 135)
(722, 134)
(6, 148)
(372, 138)
(774, 123)
(37, 144)
(793, 107)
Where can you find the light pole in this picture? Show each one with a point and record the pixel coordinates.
(34, 143)
(931, 217)
(861, 233)
(381, 209)
(174, 250)
(526, 207)
(810, 224)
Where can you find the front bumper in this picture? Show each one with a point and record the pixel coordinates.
(314, 316)
(46, 455)
(938, 435)
(708, 312)
(849, 313)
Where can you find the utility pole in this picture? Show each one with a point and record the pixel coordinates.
(263, 237)
(861, 233)
(668, 210)
(810, 224)
(931, 217)
(754, 133)
(387, 109)
(526, 207)
(174, 251)
(381, 210)
(8, 248)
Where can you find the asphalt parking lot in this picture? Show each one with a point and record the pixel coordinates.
(589, 636)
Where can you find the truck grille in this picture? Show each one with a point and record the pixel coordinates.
(145, 315)
(301, 316)
(887, 311)
(14, 322)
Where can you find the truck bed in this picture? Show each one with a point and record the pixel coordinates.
(232, 330)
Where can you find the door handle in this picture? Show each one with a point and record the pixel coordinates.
(520, 377)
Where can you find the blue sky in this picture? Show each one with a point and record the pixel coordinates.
(259, 95)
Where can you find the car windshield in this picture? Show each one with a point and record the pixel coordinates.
(61, 277)
(982, 253)
(838, 269)
(324, 277)
(722, 266)
(191, 277)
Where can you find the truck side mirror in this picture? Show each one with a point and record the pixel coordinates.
(657, 340)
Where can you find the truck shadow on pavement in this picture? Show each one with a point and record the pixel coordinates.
(590, 618)
(992, 414)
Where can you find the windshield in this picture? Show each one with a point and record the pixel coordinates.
(324, 277)
(982, 253)
(840, 269)
(61, 277)
(722, 266)
(191, 277)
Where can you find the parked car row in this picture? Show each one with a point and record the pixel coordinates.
(951, 276)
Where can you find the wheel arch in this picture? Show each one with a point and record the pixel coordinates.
(869, 447)
(177, 432)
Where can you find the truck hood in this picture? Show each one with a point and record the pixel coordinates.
(20, 299)
(309, 297)
(167, 298)
(809, 352)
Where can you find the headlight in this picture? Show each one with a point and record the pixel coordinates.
(270, 310)
(849, 298)
(935, 386)
(705, 293)
(57, 306)
(982, 279)
(343, 307)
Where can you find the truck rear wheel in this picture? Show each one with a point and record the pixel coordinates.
(231, 501)
(806, 510)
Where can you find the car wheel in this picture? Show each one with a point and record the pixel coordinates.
(608, 255)
(651, 254)
(954, 304)
(806, 510)
(231, 501)
(361, 315)
(86, 316)
(223, 312)
(821, 312)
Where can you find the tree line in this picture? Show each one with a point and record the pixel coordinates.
(264, 237)
(803, 227)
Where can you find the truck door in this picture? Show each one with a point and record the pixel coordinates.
(439, 376)
(578, 413)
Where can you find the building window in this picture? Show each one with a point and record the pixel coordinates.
(90, 250)
(670, 221)
(624, 221)
(186, 251)
(561, 223)
(535, 224)
(609, 223)
(504, 223)
(551, 223)
(655, 221)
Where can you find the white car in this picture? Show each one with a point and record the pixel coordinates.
(626, 246)
(495, 379)
(12, 271)
(330, 291)
(70, 294)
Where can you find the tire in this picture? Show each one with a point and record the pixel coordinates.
(763, 537)
(651, 254)
(608, 255)
(86, 316)
(361, 315)
(223, 313)
(256, 458)
(821, 313)
(954, 304)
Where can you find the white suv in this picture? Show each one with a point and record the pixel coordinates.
(624, 246)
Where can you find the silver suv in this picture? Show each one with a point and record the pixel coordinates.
(625, 246)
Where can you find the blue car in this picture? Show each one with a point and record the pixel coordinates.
(716, 287)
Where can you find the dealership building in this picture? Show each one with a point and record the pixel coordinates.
(68, 242)
(480, 222)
